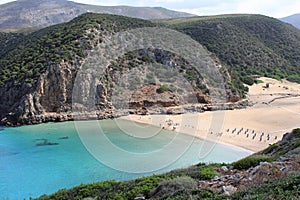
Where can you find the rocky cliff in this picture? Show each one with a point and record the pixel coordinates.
(50, 94)
(58, 73)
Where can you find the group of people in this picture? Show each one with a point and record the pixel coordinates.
(170, 123)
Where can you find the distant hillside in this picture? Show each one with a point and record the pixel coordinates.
(247, 44)
(293, 19)
(43, 13)
(137, 12)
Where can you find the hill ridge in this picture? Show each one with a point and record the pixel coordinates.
(241, 47)
(292, 19)
(41, 13)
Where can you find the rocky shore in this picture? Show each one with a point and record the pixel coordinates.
(11, 120)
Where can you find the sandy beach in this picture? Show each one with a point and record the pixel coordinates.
(276, 110)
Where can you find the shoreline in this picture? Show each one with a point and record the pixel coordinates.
(275, 111)
(191, 135)
(272, 111)
(254, 137)
(214, 138)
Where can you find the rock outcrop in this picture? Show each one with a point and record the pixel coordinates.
(230, 180)
(148, 96)
(68, 90)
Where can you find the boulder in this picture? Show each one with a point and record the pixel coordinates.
(228, 190)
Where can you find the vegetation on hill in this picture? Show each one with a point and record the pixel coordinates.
(173, 68)
(182, 183)
(26, 57)
(247, 44)
(6, 41)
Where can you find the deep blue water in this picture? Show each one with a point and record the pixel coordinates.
(30, 168)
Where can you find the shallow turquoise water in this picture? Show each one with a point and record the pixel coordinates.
(28, 169)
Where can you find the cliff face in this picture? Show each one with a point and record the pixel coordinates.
(148, 96)
(54, 98)
(18, 101)
(38, 71)
(55, 88)
(32, 103)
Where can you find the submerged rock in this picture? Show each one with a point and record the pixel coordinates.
(45, 142)
(64, 138)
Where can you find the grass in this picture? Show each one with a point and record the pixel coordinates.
(257, 81)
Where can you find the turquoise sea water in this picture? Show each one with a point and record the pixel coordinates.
(30, 168)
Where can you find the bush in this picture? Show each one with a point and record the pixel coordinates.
(169, 187)
(163, 89)
(208, 173)
(257, 81)
(286, 188)
(247, 80)
(296, 132)
(294, 78)
(248, 162)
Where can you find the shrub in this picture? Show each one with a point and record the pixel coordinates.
(270, 149)
(286, 188)
(257, 81)
(294, 78)
(163, 89)
(296, 132)
(248, 162)
(247, 80)
(169, 187)
(208, 172)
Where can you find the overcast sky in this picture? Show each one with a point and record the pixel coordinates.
(273, 8)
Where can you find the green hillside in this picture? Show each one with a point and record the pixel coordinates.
(25, 57)
(6, 42)
(247, 44)
(244, 45)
